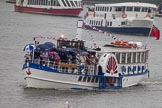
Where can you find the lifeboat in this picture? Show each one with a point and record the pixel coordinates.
(124, 44)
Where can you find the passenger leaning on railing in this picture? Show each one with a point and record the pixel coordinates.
(28, 57)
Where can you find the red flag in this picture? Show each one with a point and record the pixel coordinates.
(155, 32)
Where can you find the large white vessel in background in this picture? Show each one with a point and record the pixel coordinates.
(128, 18)
(53, 7)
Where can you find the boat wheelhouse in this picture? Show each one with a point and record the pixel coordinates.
(127, 18)
(52, 7)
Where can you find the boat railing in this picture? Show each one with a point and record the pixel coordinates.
(110, 82)
(65, 66)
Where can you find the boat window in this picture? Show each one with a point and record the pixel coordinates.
(143, 57)
(118, 56)
(80, 78)
(123, 58)
(52, 2)
(76, 3)
(149, 10)
(84, 79)
(80, 3)
(118, 9)
(123, 23)
(110, 9)
(107, 9)
(57, 3)
(146, 54)
(96, 80)
(138, 57)
(134, 57)
(46, 2)
(64, 3)
(72, 3)
(89, 21)
(144, 9)
(96, 8)
(98, 22)
(68, 3)
(137, 9)
(129, 8)
(92, 79)
(89, 78)
(102, 9)
(110, 23)
(105, 55)
(129, 57)
(92, 22)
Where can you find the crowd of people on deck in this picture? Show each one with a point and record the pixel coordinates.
(55, 56)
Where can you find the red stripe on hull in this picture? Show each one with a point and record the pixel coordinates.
(66, 12)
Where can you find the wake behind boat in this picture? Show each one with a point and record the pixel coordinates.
(69, 64)
(126, 18)
(52, 7)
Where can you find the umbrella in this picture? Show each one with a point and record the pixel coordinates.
(52, 53)
(42, 47)
(84, 53)
(49, 44)
(70, 50)
(29, 47)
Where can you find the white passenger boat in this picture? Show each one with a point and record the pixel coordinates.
(127, 18)
(52, 7)
(68, 64)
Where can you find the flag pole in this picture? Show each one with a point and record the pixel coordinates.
(149, 35)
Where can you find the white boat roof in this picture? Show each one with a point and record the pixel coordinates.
(136, 4)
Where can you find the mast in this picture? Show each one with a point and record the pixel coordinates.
(80, 25)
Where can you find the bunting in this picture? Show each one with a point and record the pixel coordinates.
(44, 37)
(104, 32)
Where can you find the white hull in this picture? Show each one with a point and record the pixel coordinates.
(51, 80)
(132, 80)
(44, 79)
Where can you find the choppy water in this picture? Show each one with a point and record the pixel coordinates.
(18, 29)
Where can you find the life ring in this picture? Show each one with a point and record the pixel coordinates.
(124, 15)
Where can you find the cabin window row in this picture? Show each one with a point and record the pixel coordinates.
(88, 79)
(44, 2)
(131, 57)
(138, 9)
(97, 23)
(68, 3)
(120, 9)
(106, 9)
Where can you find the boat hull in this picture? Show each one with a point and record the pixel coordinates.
(55, 80)
(124, 30)
(64, 12)
(49, 79)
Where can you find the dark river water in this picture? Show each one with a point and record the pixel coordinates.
(17, 30)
